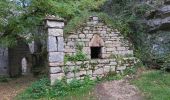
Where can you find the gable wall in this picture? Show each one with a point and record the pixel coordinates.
(114, 42)
(110, 40)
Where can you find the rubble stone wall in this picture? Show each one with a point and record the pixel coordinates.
(95, 68)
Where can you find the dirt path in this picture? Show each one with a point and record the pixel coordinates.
(117, 90)
(113, 90)
(10, 89)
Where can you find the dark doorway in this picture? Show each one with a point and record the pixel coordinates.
(95, 52)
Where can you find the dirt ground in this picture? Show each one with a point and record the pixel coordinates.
(112, 90)
(9, 90)
(118, 90)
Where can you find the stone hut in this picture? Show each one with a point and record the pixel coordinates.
(105, 50)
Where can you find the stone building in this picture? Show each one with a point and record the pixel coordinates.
(93, 50)
(11, 59)
(105, 49)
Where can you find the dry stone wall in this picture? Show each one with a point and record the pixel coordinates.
(112, 42)
(93, 34)
(95, 68)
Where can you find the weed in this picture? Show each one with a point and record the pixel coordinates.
(4, 79)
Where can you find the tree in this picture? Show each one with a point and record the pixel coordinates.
(20, 17)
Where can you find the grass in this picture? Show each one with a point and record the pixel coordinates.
(155, 85)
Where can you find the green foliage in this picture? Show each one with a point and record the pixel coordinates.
(19, 17)
(154, 85)
(125, 14)
(43, 89)
(79, 56)
(166, 63)
(76, 23)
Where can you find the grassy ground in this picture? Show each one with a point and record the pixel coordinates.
(155, 85)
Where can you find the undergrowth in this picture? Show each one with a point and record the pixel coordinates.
(62, 90)
(43, 90)
(4, 79)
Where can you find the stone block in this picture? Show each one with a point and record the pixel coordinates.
(56, 57)
(55, 24)
(85, 32)
(55, 32)
(98, 71)
(79, 62)
(55, 70)
(55, 64)
(80, 73)
(73, 36)
(113, 63)
(86, 28)
(60, 44)
(103, 61)
(121, 48)
(55, 77)
(81, 36)
(52, 45)
(89, 36)
(103, 50)
(70, 63)
(121, 68)
(107, 42)
(110, 49)
(103, 32)
(95, 18)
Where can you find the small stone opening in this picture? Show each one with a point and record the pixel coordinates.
(95, 52)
